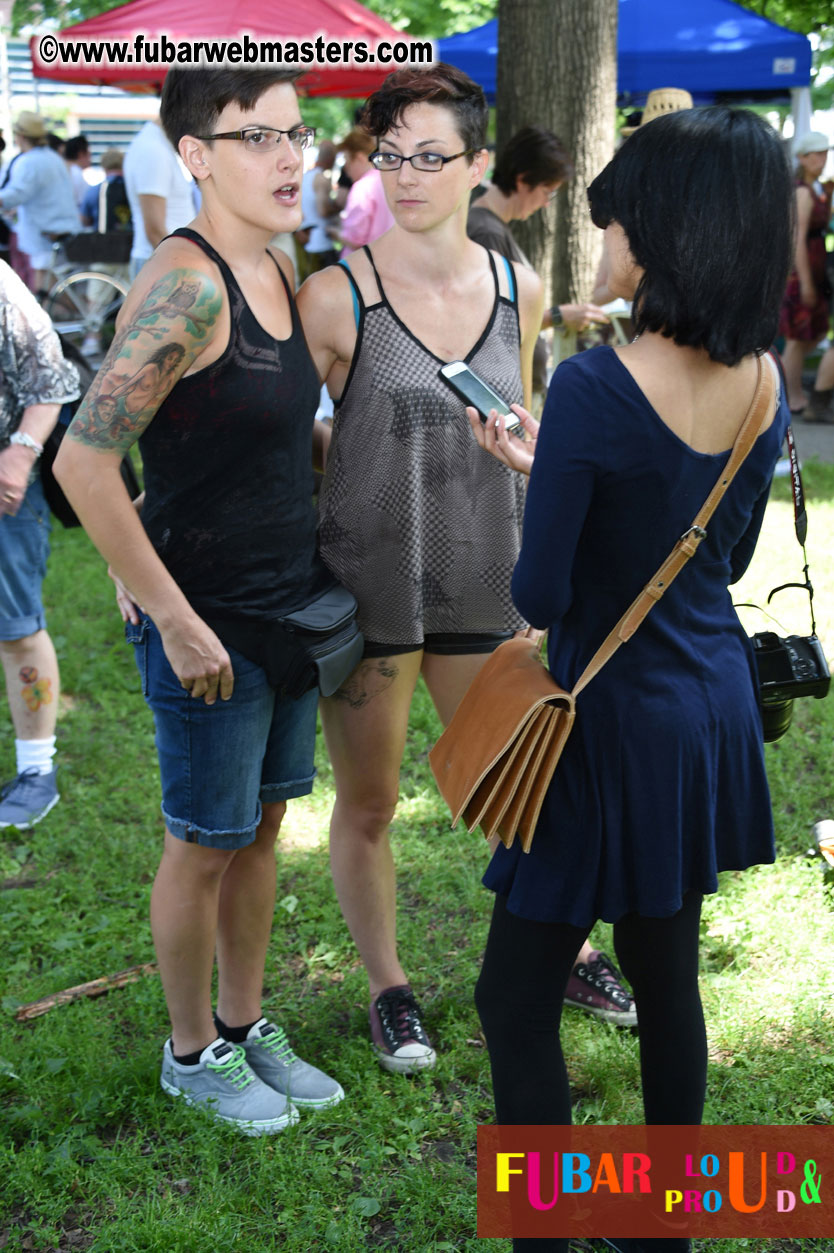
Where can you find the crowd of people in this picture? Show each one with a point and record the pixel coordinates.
(425, 516)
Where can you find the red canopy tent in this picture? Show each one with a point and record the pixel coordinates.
(270, 20)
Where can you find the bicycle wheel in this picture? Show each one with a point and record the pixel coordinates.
(83, 307)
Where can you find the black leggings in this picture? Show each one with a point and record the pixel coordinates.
(519, 996)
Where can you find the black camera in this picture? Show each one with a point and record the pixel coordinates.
(788, 667)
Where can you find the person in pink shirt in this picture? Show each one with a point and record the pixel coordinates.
(366, 214)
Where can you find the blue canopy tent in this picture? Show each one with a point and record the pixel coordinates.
(709, 47)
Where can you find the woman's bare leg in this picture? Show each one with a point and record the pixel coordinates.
(365, 725)
(793, 359)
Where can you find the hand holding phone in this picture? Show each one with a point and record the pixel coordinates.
(492, 437)
(466, 384)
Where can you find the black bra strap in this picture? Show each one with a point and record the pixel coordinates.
(510, 274)
(380, 288)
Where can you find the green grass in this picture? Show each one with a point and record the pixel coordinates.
(94, 1157)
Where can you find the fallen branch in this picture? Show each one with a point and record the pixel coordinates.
(95, 987)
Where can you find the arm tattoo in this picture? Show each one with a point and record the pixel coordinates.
(146, 359)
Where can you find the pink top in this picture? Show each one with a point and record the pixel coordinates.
(366, 214)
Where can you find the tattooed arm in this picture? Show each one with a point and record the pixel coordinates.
(175, 315)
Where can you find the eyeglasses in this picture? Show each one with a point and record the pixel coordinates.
(268, 138)
(428, 162)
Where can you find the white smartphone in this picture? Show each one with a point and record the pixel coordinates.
(474, 391)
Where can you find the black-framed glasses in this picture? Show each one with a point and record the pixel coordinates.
(268, 138)
(428, 162)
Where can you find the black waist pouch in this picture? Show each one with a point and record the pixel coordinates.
(317, 646)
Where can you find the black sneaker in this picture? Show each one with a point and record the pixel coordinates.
(595, 987)
(399, 1041)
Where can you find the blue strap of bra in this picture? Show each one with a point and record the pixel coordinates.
(352, 281)
(510, 278)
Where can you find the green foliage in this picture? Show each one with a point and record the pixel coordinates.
(806, 16)
(434, 18)
(331, 117)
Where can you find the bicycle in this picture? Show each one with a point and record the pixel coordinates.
(83, 303)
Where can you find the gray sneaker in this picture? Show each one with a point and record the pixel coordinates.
(27, 799)
(270, 1055)
(224, 1081)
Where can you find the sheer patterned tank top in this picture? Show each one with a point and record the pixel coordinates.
(415, 519)
(228, 475)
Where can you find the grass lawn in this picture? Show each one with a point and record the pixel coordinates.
(94, 1157)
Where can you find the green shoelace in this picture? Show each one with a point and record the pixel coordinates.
(235, 1069)
(278, 1044)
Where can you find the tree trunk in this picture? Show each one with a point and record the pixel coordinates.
(557, 67)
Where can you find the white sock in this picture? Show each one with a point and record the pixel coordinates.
(35, 755)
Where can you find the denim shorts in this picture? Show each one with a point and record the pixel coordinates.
(24, 548)
(219, 762)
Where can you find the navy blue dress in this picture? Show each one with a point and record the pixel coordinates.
(662, 782)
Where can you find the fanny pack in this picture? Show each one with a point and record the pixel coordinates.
(317, 646)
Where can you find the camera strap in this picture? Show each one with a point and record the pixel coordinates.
(800, 517)
(800, 520)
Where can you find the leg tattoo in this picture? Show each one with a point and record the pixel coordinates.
(35, 692)
(370, 679)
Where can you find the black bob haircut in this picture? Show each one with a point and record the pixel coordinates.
(534, 155)
(435, 84)
(193, 99)
(706, 200)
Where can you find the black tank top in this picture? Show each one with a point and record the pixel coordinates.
(228, 471)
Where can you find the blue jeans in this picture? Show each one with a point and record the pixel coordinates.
(219, 762)
(24, 548)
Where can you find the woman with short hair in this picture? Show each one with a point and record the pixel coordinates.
(414, 520)
(210, 373)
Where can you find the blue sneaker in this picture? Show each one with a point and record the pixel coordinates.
(27, 799)
(269, 1053)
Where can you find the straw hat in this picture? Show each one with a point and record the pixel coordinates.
(30, 125)
(660, 101)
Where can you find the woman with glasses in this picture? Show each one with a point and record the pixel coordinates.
(227, 539)
(414, 519)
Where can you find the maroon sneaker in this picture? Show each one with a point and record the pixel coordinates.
(399, 1041)
(595, 987)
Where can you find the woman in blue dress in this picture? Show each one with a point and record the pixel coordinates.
(662, 783)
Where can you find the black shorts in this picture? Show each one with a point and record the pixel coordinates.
(444, 644)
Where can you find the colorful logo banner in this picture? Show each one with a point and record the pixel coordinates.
(662, 1181)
